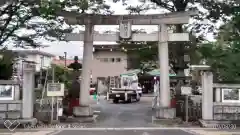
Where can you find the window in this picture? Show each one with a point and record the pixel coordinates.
(101, 59)
(118, 59)
(105, 59)
(112, 59)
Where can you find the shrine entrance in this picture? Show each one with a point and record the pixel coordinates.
(125, 23)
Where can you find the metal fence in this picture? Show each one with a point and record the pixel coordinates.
(194, 110)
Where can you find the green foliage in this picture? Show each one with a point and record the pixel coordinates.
(223, 55)
(6, 64)
(28, 16)
(63, 75)
(141, 55)
(214, 10)
(39, 20)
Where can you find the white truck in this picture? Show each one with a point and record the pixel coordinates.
(129, 90)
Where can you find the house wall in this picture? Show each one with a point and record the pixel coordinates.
(46, 62)
(108, 63)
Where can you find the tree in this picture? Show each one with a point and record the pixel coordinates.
(223, 54)
(26, 23)
(6, 64)
(141, 55)
(216, 10)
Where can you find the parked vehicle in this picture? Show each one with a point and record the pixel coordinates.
(140, 90)
(126, 95)
(129, 90)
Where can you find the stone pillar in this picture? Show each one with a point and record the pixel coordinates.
(218, 94)
(28, 89)
(85, 109)
(164, 111)
(207, 95)
(164, 66)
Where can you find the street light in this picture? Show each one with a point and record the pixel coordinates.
(65, 59)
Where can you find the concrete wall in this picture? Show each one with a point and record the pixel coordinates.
(103, 66)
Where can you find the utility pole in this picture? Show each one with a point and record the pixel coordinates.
(65, 59)
(41, 72)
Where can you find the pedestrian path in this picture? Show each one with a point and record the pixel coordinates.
(123, 131)
(211, 132)
(28, 133)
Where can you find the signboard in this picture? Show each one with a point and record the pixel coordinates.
(125, 30)
(55, 89)
(231, 95)
(7, 92)
(186, 90)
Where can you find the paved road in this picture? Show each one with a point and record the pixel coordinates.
(121, 119)
(137, 114)
(121, 132)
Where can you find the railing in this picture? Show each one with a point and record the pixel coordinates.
(194, 110)
(223, 111)
(13, 108)
(226, 105)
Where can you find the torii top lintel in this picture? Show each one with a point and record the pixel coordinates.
(74, 18)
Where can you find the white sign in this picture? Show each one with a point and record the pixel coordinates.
(7, 92)
(125, 30)
(186, 90)
(230, 95)
(55, 89)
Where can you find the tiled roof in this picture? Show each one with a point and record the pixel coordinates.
(62, 62)
(23, 52)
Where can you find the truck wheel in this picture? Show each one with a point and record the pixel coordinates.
(129, 100)
(115, 101)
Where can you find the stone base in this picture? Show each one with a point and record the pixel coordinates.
(45, 116)
(83, 111)
(167, 122)
(219, 123)
(165, 113)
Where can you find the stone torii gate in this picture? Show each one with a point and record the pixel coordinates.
(125, 22)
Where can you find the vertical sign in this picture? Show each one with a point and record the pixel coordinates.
(125, 28)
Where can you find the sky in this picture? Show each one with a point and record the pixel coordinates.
(75, 48)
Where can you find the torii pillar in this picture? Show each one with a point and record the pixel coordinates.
(164, 66)
(84, 110)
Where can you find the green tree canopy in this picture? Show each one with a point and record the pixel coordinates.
(30, 23)
(26, 23)
(210, 10)
(223, 54)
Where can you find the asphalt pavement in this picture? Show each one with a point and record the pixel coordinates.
(120, 119)
(136, 114)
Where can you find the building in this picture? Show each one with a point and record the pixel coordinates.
(41, 59)
(62, 62)
(108, 60)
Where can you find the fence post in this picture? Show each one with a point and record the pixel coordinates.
(186, 107)
(207, 95)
